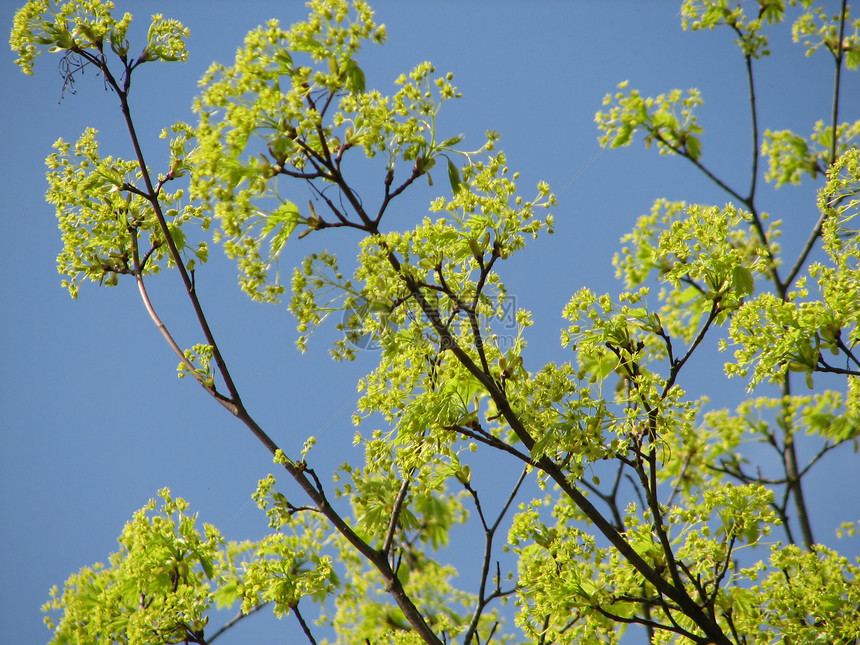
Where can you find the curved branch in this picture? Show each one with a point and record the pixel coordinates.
(610, 498)
(838, 55)
(746, 201)
(305, 628)
(489, 535)
(837, 80)
(754, 121)
(651, 624)
(395, 515)
(794, 485)
(234, 402)
(236, 619)
(679, 363)
(804, 253)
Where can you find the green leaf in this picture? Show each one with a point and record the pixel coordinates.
(355, 78)
(453, 141)
(453, 177)
(208, 569)
(425, 164)
(694, 147)
(226, 594)
(622, 137)
(743, 281)
(284, 218)
(177, 234)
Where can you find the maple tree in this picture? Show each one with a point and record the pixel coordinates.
(658, 544)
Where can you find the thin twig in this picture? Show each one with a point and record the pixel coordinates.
(305, 628)
(395, 514)
(795, 484)
(489, 535)
(236, 619)
(834, 122)
(234, 402)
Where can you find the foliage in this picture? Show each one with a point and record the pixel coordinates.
(156, 589)
(676, 542)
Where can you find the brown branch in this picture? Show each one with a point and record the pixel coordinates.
(834, 121)
(395, 515)
(236, 619)
(234, 402)
(305, 628)
(794, 485)
(489, 535)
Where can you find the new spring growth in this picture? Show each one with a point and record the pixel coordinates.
(314, 222)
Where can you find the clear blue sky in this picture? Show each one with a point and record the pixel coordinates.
(93, 420)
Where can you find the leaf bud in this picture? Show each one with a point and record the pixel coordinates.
(147, 56)
(175, 169)
(464, 475)
(423, 164)
(473, 246)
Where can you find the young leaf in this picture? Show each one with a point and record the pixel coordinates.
(453, 177)
(284, 218)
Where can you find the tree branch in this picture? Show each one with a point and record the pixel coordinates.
(754, 122)
(794, 485)
(305, 628)
(236, 406)
(489, 535)
(236, 619)
(395, 515)
(834, 122)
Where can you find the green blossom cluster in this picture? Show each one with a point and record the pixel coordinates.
(109, 228)
(77, 26)
(156, 589)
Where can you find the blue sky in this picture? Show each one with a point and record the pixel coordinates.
(94, 420)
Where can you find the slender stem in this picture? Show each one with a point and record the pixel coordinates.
(305, 628)
(489, 535)
(758, 225)
(162, 328)
(234, 403)
(796, 487)
(610, 498)
(679, 363)
(236, 619)
(650, 624)
(805, 251)
(650, 487)
(488, 439)
(748, 202)
(838, 55)
(841, 344)
(837, 81)
(395, 515)
(723, 570)
(710, 175)
(824, 367)
(792, 475)
(754, 121)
